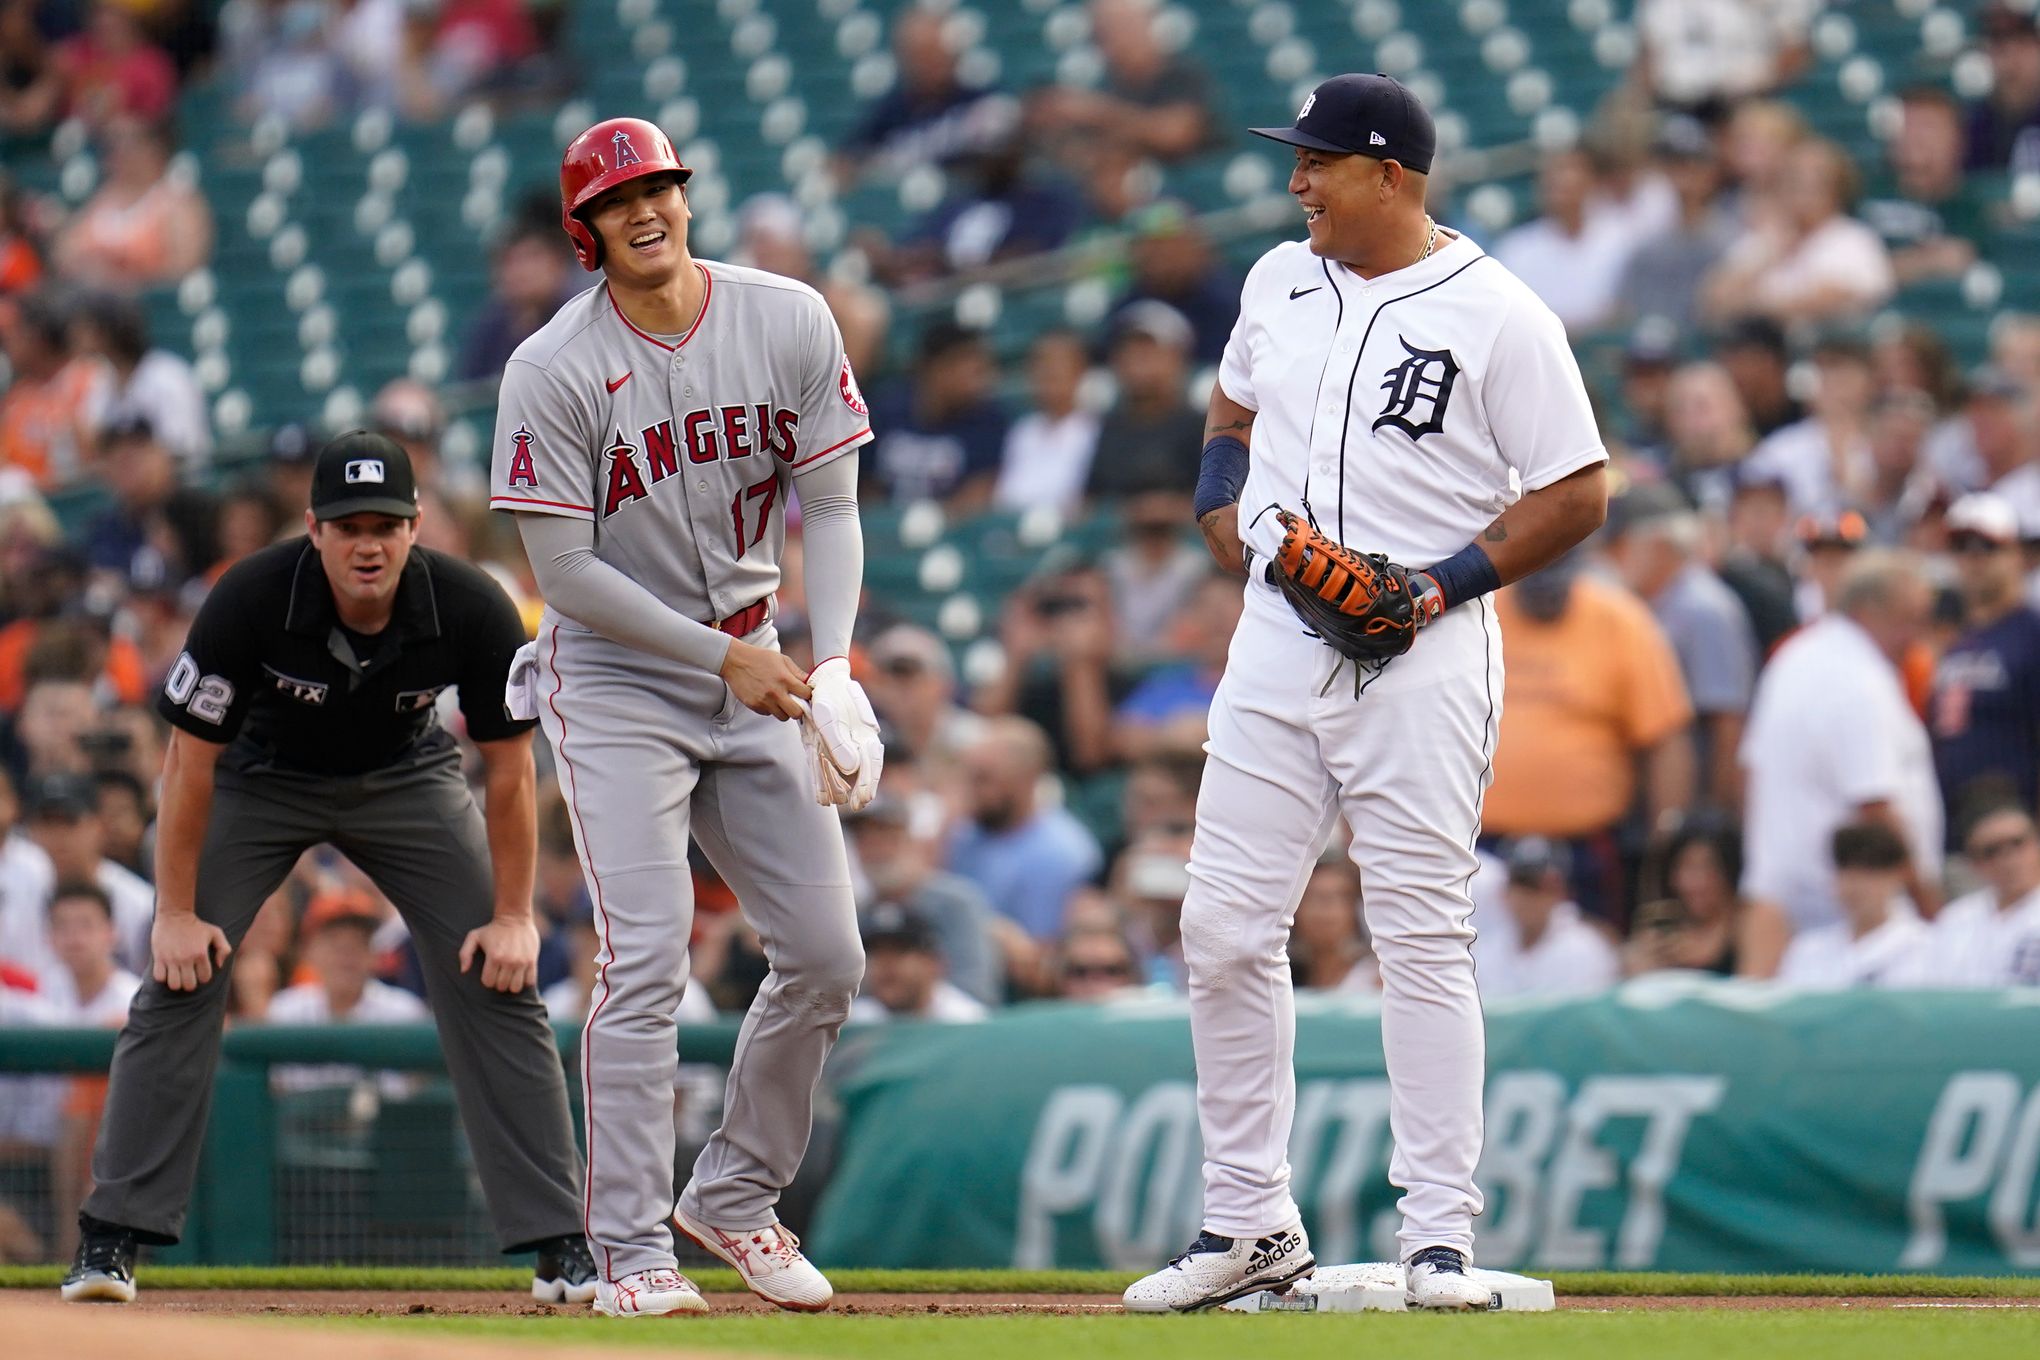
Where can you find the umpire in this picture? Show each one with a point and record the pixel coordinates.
(304, 709)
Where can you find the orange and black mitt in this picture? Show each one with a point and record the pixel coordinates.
(1361, 604)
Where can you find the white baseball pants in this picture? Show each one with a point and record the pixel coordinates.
(1406, 763)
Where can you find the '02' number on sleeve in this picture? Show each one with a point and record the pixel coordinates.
(202, 696)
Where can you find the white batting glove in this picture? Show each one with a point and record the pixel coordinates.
(520, 687)
(840, 733)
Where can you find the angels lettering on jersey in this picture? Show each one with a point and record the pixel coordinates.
(633, 468)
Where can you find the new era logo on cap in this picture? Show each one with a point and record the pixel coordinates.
(1376, 139)
(365, 470)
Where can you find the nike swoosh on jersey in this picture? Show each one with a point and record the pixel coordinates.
(615, 383)
(1294, 294)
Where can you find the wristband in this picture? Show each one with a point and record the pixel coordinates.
(1467, 574)
(1221, 474)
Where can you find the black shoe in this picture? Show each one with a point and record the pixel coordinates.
(104, 1269)
(565, 1271)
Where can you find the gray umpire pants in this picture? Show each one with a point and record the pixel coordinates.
(415, 830)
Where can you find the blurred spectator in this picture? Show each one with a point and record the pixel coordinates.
(369, 40)
(142, 379)
(26, 881)
(1902, 486)
(30, 89)
(1757, 145)
(1025, 857)
(1647, 366)
(1824, 460)
(59, 706)
(2004, 433)
(1828, 545)
(1991, 937)
(1150, 437)
(2014, 347)
(1161, 795)
(1095, 963)
(1759, 361)
(1594, 710)
(568, 998)
(1328, 948)
(2003, 130)
(1707, 432)
(1985, 715)
(1570, 257)
(113, 69)
(1173, 262)
(44, 413)
(912, 683)
(941, 432)
(473, 45)
(1880, 940)
(156, 533)
(771, 232)
(125, 814)
(529, 279)
(87, 986)
(249, 519)
(288, 470)
(1703, 924)
(1153, 569)
(899, 873)
(411, 413)
(1833, 739)
(1630, 192)
(284, 59)
(1926, 212)
(1150, 880)
(1693, 52)
(1168, 708)
(339, 951)
(21, 265)
(1655, 541)
(1152, 104)
(1047, 456)
(903, 973)
(1662, 277)
(1000, 210)
(1060, 634)
(1814, 262)
(929, 115)
(63, 818)
(145, 225)
(1556, 950)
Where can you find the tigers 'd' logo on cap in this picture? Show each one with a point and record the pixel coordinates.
(365, 470)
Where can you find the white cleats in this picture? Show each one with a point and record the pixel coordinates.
(768, 1259)
(1438, 1279)
(1216, 1269)
(649, 1293)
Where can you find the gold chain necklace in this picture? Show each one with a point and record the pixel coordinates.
(1430, 238)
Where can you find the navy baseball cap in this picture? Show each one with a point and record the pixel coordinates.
(363, 472)
(1366, 115)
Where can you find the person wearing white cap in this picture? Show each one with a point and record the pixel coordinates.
(1985, 715)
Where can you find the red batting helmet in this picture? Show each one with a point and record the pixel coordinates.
(606, 155)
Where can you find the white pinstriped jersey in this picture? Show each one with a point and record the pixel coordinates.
(681, 449)
(1408, 410)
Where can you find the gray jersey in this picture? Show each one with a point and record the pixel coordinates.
(681, 451)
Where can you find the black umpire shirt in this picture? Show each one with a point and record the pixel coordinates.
(269, 668)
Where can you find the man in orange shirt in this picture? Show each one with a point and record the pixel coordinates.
(1594, 709)
(43, 428)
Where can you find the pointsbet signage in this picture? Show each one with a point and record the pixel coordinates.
(1675, 1125)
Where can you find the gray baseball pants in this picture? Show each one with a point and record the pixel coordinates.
(415, 830)
(651, 752)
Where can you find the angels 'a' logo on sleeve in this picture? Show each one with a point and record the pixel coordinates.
(853, 396)
(1423, 380)
(522, 471)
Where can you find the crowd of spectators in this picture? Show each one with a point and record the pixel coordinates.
(1766, 724)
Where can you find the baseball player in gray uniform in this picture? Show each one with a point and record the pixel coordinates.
(1404, 396)
(649, 439)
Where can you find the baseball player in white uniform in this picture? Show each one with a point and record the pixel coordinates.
(649, 439)
(1405, 394)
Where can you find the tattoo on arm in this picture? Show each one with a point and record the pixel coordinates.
(1497, 532)
(1213, 431)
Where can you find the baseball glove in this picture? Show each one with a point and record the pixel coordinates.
(1359, 603)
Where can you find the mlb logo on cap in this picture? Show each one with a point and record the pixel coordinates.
(364, 470)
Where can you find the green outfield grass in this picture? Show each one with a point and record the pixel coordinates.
(1799, 1334)
(1102, 1282)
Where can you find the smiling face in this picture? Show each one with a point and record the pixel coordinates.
(642, 225)
(1344, 198)
(364, 558)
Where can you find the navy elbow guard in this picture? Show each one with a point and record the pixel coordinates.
(1221, 474)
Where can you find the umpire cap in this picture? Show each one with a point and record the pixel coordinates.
(362, 472)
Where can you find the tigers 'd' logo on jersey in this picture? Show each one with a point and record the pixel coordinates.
(522, 472)
(1424, 380)
(632, 469)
